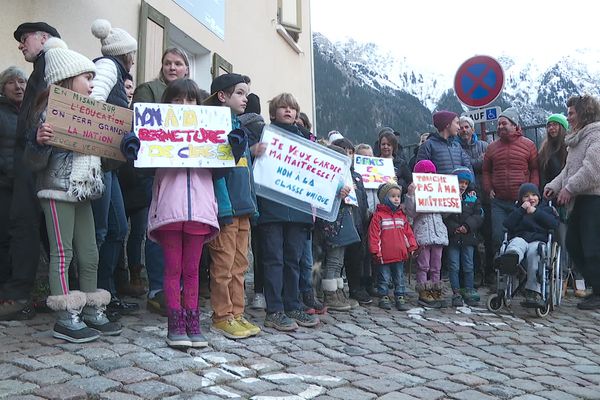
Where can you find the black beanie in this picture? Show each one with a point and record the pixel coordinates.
(253, 104)
(528, 188)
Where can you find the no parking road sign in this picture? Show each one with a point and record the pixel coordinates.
(479, 81)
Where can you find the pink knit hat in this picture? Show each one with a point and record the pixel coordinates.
(425, 167)
(442, 119)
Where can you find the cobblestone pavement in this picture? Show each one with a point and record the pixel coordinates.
(365, 354)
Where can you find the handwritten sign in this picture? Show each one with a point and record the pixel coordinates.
(85, 125)
(300, 174)
(375, 171)
(437, 193)
(352, 198)
(180, 135)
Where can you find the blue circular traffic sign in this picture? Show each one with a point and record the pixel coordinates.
(479, 81)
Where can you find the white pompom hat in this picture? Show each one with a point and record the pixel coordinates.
(115, 41)
(62, 63)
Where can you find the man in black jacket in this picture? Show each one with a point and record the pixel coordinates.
(25, 211)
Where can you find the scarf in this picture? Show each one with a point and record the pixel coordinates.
(86, 180)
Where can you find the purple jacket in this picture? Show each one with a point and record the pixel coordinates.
(180, 195)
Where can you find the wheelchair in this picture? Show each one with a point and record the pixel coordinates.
(511, 281)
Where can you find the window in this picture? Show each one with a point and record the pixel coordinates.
(289, 16)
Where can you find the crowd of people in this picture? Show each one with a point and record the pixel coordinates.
(185, 227)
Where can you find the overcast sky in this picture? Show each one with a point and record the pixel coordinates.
(434, 32)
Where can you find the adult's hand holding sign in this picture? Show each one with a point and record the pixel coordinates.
(300, 174)
(181, 135)
(437, 193)
(82, 124)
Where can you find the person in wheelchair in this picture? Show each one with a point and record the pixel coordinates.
(528, 225)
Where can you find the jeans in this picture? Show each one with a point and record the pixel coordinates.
(111, 229)
(138, 222)
(460, 256)
(282, 245)
(391, 272)
(500, 210)
(306, 264)
(155, 260)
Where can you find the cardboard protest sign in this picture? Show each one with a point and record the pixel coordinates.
(85, 125)
(181, 135)
(375, 171)
(300, 174)
(437, 193)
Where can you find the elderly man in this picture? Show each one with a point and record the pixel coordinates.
(471, 145)
(508, 163)
(25, 212)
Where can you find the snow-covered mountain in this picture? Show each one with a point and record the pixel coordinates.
(536, 89)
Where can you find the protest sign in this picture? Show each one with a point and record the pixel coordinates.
(437, 193)
(375, 171)
(300, 174)
(181, 135)
(352, 198)
(85, 125)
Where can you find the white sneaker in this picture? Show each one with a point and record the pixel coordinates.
(258, 302)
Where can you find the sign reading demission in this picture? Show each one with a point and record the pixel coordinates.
(300, 174)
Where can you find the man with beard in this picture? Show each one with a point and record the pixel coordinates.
(508, 163)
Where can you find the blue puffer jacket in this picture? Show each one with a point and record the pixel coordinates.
(531, 227)
(271, 211)
(446, 154)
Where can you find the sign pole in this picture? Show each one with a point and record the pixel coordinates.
(483, 132)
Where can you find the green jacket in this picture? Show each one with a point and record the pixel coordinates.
(149, 92)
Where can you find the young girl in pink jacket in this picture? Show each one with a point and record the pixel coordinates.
(182, 217)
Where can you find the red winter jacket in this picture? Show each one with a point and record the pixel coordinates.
(508, 163)
(391, 238)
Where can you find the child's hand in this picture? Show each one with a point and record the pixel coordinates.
(531, 210)
(525, 206)
(344, 192)
(411, 189)
(258, 149)
(45, 133)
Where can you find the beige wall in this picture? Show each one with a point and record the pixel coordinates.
(251, 43)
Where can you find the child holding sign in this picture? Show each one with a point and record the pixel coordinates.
(237, 203)
(432, 236)
(182, 217)
(462, 232)
(66, 183)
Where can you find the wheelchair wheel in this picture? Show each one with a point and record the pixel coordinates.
(558, 278)
(543, 311)
(494, 303)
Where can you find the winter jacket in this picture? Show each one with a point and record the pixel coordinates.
(9, 113)
(360, 213)
(133, 188)
(446, 154)
(552, 169)
(182, 195)
(581, 174)
(255, 124)
(235, 190)
(273, 212)
(508, 163)
(35, 85)
(475, 150)
(531, 227)
(471, 217)
(149, 92)
(109, 82)
(429, 228)
(390, 237)
(341, 232)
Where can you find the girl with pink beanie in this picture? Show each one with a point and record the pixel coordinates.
(432, 236)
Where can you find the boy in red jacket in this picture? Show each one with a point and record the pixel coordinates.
(391, 240)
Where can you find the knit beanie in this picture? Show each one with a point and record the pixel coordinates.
(528, 188)
(425, 167)
(383, 190)
(442, 119)
(559, 119)
(332, 136)
(512, 115)
(62, 63)
(463, 174)
(115, 41)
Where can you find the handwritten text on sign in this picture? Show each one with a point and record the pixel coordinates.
(86, 125)
(374, 171)
(178, 135)
(307, 174)
(437, 193)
